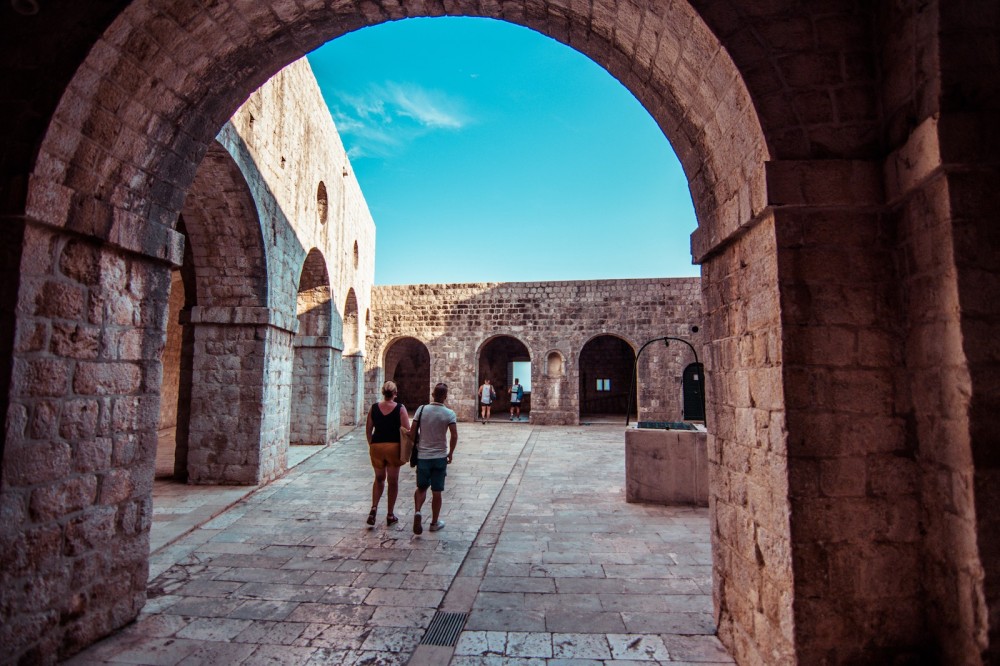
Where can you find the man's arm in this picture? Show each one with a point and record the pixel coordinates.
(452, 440)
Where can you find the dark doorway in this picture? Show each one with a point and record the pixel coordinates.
(606, 369)
(694, 392)
(501, 360)
(408, 363)
(173, 431)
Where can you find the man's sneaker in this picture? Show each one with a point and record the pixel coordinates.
(417, 527)
(439, 525)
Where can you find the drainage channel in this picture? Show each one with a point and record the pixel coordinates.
(438, 644)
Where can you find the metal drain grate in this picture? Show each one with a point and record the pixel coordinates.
(444, 629)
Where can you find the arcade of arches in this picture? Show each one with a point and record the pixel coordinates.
(842, 159)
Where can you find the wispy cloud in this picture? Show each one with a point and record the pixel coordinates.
(384, 119)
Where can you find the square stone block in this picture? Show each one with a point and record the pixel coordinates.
(666, 466)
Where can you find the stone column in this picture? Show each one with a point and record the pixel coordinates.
(313, 417)
(240, 395)
(80, 440)
(352, 390)
(854, 510)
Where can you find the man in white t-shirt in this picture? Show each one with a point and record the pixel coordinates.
(438, 437)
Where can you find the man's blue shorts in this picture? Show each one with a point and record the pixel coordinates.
(431, 473)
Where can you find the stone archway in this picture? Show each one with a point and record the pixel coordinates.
(178, 367)
(408, 363)
(353, 364)
(607, 365)
(227, 425)
(494, 362)
(785, 124)
(314, 366)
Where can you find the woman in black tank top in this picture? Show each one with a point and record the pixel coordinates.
(385, 418)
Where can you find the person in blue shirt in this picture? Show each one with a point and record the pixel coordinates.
(516, 395)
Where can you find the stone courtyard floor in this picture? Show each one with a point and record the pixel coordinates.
(541, 556)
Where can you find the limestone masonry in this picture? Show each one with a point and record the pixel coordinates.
(553, 321)
(843, 159)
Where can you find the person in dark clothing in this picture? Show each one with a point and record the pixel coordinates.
(385, 418)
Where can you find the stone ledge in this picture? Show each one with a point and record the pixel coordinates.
(240, 316)
(666, 466)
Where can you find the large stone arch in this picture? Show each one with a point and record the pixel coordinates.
(610, 358)
(316, 359)
(774, 109)
(224, 234)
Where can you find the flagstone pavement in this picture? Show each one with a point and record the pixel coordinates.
(540, 554)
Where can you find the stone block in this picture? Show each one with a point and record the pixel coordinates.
(666, 466)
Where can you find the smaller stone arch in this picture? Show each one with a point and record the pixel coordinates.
(352, 365)
(407, 362)
(314, 302)
(606, 375)
(498, 359)
(352, 340)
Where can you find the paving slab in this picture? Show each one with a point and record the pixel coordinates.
(541, 551)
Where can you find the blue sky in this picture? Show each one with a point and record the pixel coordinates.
(488, 152)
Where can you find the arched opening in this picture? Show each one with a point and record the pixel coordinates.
(322, 203)
(352, 365)
(351, 328)
(503, 359)
(312, 400)
(174, 425)
(408, 363)
(224, 266)
(708, 116)
(606, 373)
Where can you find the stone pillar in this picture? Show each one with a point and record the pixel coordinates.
(313, 419)
(352, 389)
(753, 586)
(80, 442)
(854, 506)
(240, 395)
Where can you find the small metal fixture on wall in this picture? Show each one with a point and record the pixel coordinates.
(694, 390)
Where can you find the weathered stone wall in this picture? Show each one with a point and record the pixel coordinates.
(789, 118)
(941, 184)
(266, 219)
(748, 466)
(456, 321)
(80, 443)
(87, 372)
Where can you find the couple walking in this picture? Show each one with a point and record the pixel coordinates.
(438, 430)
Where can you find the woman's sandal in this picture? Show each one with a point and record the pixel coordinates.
(391, 519)
(371, 515)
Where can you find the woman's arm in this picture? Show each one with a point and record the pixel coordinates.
(369, 427)
(404, 418)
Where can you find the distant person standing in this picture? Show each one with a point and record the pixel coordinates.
(487, 394)
(434, 454)
(516, 395)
